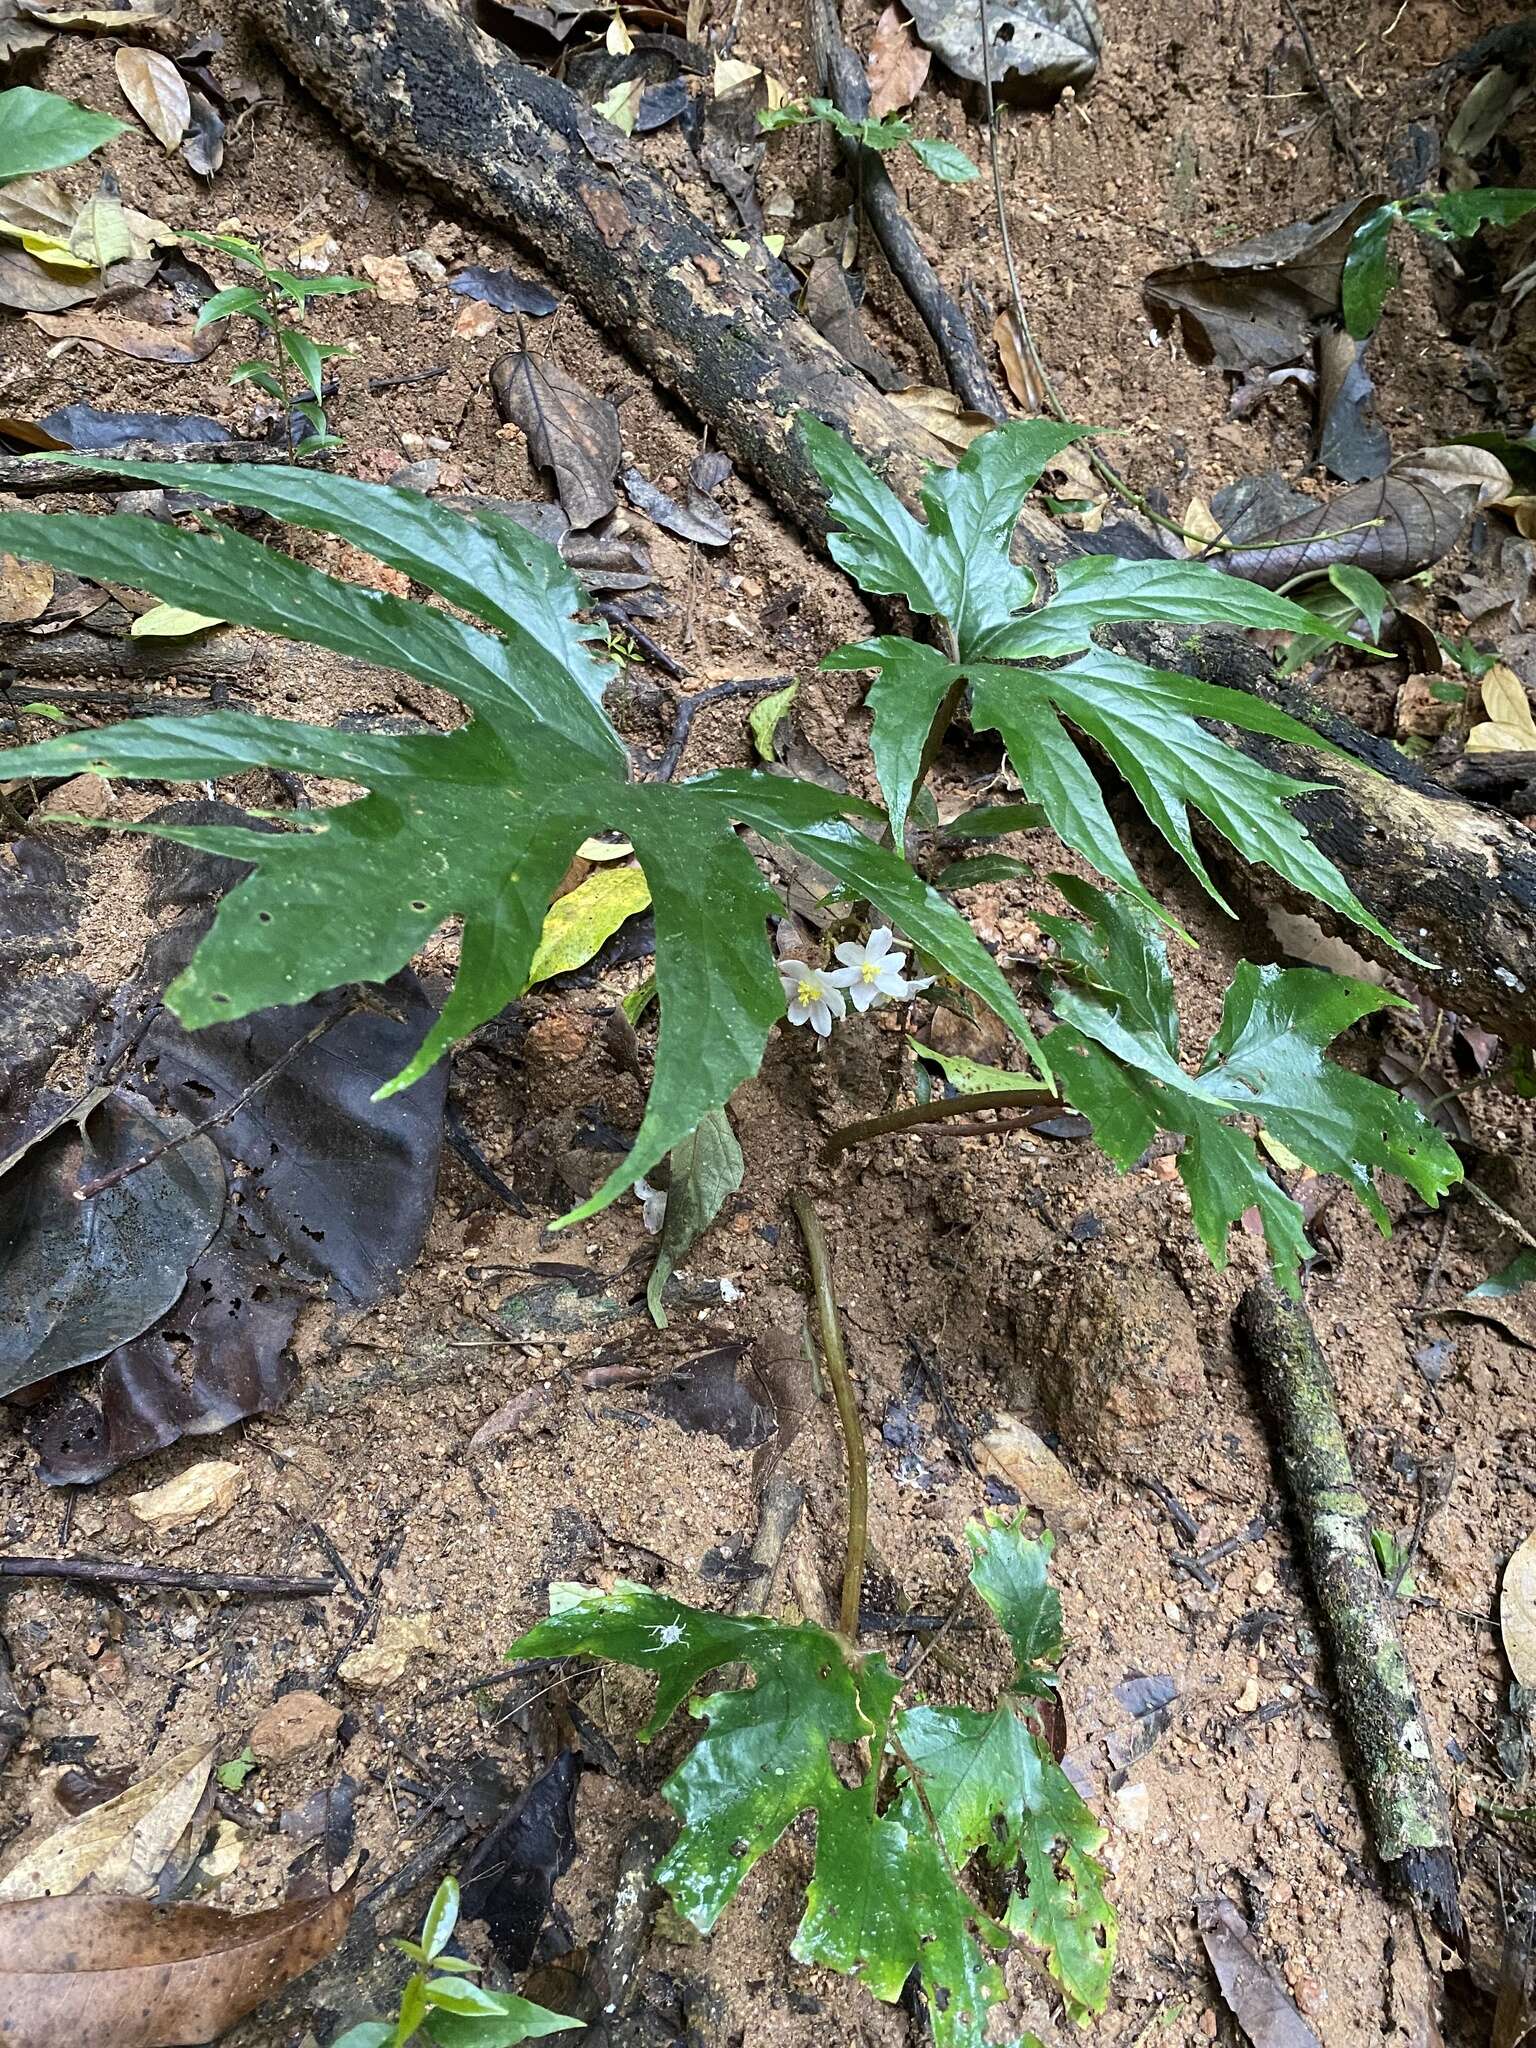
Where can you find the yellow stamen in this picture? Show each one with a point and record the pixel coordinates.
(870, 971)
(808, 992)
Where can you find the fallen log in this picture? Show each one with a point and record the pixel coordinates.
(437, 100)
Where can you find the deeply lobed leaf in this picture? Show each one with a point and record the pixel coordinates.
(1116, 1056)
(479, 823)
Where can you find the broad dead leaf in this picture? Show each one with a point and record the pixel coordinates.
(1028, 1464)
(1517, 1611)
(570, 431)
(1460, 470)
(26, 590)
(202, 1493)
(1200, 520)
(1017, 368)
(1253, 1988)
(1393, 526)
(898, 64)
(942, 415)
(138, 338)
(1510, 729)
(113, 21)
(18, 36)
(122, 1845)
(27, 287)
(123, 1973)
(157, 93)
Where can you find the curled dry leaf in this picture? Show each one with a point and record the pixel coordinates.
(1257, 304)
(1517, 1611)
(127, 1973)
(1038, 46)
(122, 1845)
(1393, 527)
(157, 93)
(898, 64)
(570, 432)
(1013, 351)
(141, 339)
(1475, 476)
(942, 415)
(1509, 728)
(27, 287)
(112, 21)
(1250, 1986)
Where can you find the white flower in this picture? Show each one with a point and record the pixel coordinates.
(814, 995)
(872, 972)
(653, 1205)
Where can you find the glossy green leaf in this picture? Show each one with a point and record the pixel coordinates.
(366, 2034)
(39, 131)
(705, 1168)
(1115, 1055)
(1011, 1573)
(1364, 591)
(442, 1918)
(1520, 1272)
(992, 821)
(1463, 213)
(1369, 272)
(767, 715)
(979, 868)
(235, 300)
(969, 1077)
(507, 2021)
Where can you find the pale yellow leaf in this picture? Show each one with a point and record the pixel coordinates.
(1200, 520)
(619, 41)
(26, 590)
(585, 919)
(169, 622)
(1517, 1611)
(1510, 728)
(204, 1492)
(622, 104)
(123, 1844)
(779, 94)
(941, 414)
(604, 849)
(731, 74)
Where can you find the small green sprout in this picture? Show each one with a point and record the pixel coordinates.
(947, 163)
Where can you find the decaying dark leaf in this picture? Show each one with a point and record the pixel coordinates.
(706, 1167)
(704, 1396)
(505, 290)
(202, 146)
(570, 432)
(1253, 1990)
(1393, 527)
(123, 1970)
(81, 1278)
(1351, 445)
(699, 520)
(510, 1879)
(18, 35)
(1014, 357)
(831, 311)
(85, 426)
(1257, 304)
(1038, 46)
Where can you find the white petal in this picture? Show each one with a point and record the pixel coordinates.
(879, 941)
(850, 952)
(821, 1019)
(863, 994)
(798, 1011)
(840, 977)
(832, 996)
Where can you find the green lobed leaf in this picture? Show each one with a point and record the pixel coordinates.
(1011, 1573)
(1369, 272)
(1463, 213)
(1120, 1069)
(39, 131)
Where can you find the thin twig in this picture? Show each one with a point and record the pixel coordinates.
(378, 384)
(91, 1571)
(847, 1409)
(670, 760)
(1028, 1099)
(90, 1188)
(1511, 1223)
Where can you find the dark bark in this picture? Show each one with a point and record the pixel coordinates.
(436, 100)
(1378, 1704)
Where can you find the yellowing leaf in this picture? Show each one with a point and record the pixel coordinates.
(169, 622)
(622, 104)
(604, 849)
(942, 414)
(1200, 520)
(731, 74)
(779, 94)
(1517, 1611)
(585, 919)
(157, 93)
(122, 1845)
(26, 590)
(1510, 728)
(619, 41)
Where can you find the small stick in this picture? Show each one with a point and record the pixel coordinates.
(430, 1857)
(89, 1188)
(1404, 1799)
(1182, 1520)
(378, 384)
(951, 1105)
(1255, 1532)
(847, 1409)
(670, 759)
(92, 1571)
(653, 650)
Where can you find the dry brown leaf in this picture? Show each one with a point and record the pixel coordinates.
(393, 277)
(898, 64)
(139, 14)
(383, 1661)
(122, 1845)
(1510, 728)
(19, 37)
(942, 415)
(570, 431)
(122, 1973)
(27, 287)
(1517, 1611)
(26, 590)
(202, 1493)
(1032, 1469)
(139, 338)
(157, 93)
(1017, 368)
(1475, 474)
(1200, 520)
